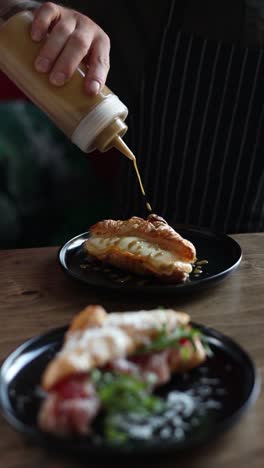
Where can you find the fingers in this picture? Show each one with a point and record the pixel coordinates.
(54, 45)
(70, 37)
(43, 18)
(72, 54)
(98, 63)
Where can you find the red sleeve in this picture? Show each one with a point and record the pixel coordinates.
(8, 91)
(106, 165)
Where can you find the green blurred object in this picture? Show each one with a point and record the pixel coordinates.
(49, 191)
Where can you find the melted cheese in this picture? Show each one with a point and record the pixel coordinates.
(92, 347)
(160, 258)
(119, 335)
(146, 321)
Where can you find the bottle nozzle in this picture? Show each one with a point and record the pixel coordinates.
(119, 144)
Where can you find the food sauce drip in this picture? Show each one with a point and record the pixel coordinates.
(123, 148)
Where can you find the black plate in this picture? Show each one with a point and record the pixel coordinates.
(222, 253)
(205, 401)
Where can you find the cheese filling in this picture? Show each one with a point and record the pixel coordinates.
(159, 257)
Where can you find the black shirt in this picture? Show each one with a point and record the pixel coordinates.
(195, 89)
(135, 29)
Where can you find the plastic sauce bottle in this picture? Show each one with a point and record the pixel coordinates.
(91, 122)
(95, 122)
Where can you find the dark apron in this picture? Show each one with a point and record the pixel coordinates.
(198, 134)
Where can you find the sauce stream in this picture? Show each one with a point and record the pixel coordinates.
(123, 148)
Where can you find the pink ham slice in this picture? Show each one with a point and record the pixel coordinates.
(70, 408)
(73, 404)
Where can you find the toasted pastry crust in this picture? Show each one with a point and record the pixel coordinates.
(161, 238)
(197, 355)
(91, 316)
(154, 229)
(96, 338)
(176, 273)
(145, 322)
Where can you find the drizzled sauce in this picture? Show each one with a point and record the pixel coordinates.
(148, 205)
(198, 267)
(121, 277)
(123, 148)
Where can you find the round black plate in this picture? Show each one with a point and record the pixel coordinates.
(207, 400)
(222, 253)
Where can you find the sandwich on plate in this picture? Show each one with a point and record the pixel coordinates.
(145, 247)
(112, 364)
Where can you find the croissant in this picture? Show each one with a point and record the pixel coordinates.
(140, 344)
(145, 247)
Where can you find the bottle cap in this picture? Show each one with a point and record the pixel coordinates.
(97, 120)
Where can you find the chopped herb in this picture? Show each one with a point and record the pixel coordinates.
(165, 340)
(123, 394)
(185, 352)
(112, 432)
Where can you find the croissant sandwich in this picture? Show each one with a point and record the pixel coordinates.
(144, 247)
(107, 357)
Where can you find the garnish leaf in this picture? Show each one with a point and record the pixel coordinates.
(165, 340)
(123, 394)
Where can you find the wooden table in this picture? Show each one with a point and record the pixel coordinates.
(36, 295)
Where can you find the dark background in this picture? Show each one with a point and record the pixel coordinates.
(49, 190)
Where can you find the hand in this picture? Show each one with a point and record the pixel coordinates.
(73, 37)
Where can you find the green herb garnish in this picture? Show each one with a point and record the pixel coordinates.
(120, 395)
(185, 353)
(124, 396)
(165, 340)
(126, 393)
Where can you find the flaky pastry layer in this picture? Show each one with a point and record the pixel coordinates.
(96, 338)
(154, 230)
(144, 247)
